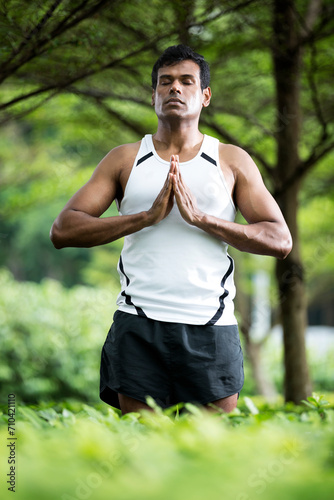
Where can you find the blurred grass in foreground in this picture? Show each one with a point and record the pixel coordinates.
(76, 451)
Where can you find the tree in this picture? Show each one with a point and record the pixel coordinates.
(295, 30)
(270, 75)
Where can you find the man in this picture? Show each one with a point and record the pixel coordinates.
(174, 335)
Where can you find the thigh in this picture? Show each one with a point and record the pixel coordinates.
(227, 404)
(134, 361)
(209, 364)
(129, 405)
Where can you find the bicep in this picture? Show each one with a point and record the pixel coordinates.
(253, 199)
(95, 197)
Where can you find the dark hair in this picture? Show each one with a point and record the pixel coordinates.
(178, 53)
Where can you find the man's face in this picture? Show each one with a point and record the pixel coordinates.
(178, 92)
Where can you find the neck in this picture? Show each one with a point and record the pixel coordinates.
(178, 137)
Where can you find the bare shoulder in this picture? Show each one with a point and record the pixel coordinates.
(237, 161)
(125, 152)
(237, 167)
(119, 158)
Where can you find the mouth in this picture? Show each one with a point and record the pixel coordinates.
(174, 100)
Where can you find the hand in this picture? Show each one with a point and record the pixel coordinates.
(163, 203)
(184, 198)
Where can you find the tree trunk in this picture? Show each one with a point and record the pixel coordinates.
(289, 272)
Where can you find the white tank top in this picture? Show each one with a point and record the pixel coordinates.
(173, 271)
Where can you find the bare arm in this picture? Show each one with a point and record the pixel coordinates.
(79, 223)
(266, 232)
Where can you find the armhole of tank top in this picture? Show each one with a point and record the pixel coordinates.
(142, 144)
(222, 176)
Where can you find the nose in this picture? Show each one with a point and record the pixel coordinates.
(175, 88)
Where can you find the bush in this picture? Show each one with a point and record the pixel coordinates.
(51, 338)
(73, 451)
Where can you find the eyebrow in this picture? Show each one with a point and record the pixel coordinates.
(182, 76)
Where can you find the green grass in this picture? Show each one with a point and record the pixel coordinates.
(75, 451)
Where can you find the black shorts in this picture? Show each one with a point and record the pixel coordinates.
(171, 362)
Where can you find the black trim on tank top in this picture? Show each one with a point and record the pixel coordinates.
(221, 308)
(208, 158)
(128, 300)
(143, 158)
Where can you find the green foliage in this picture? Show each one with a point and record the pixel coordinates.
(51, 338)
(44, 166)
(315, 221)
(318, 403)
(73, 451)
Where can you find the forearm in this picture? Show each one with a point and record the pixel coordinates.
(73, 228)
(264, 238)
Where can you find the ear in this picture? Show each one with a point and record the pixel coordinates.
(153, 98)
(206, 97)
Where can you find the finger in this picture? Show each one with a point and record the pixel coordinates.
(176, 166)
(168, 178)
(176, 171)
(180, 179)
(174, 180)
(172, 163)
(177, 187)
(169, 185)
(171, 179)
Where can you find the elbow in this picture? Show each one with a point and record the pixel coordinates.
(285, 247)
(55, 237)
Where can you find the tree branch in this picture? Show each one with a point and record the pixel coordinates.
(314, 92)
(62, 27)
(313, 11)
(233, 140)
(9, 67)
(264, 41)
(62, 86)
(35, 31)
(250, 118)
(98, 94)
(36, 50)
(23, 97)
(9, 117)
(307, 23)
(133, 126)
(312, 34)
(224, 11)
(319, 151)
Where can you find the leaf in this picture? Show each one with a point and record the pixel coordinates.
(193, 409)
(32, 417)
(131, 417)
(152, 404)
(310, 405)
(251, 406)
(313, 400)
